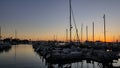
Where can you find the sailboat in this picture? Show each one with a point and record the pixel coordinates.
(72, 44)
(3, 44)
(69, 53)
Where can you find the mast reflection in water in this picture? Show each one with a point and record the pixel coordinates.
(24, 56)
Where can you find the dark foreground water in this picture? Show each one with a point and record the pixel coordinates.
(23, 56)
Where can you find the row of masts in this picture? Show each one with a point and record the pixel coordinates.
(87, 32)
(71, 12)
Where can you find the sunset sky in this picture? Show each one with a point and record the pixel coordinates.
(42, 19)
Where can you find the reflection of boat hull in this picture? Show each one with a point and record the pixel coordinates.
(63, 55)
(4, 47)
(4, 44)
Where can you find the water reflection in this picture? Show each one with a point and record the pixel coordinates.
(82, 63)
(20, 56)
(24, 56)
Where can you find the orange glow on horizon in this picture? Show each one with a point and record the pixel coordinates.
(34, 37)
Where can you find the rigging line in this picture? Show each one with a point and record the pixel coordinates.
(75, 25)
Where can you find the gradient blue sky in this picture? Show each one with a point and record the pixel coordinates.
(41, 19)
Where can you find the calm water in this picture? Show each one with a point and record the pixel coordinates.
(23, 56)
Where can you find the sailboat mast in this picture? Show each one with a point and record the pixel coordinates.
(86, 33)
(93, 31)
(0, 32)
(81, 32)
(66, 35)
(104, 29)
(15, 34)
(119, 38)
(70, 22)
